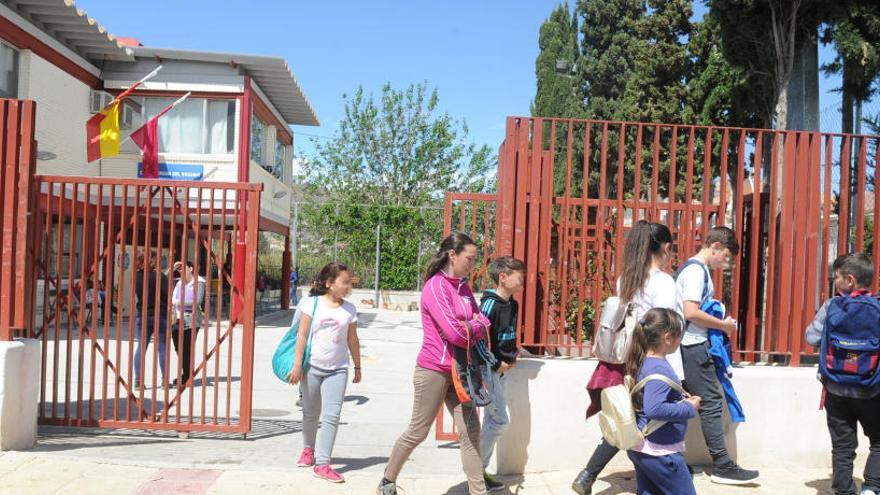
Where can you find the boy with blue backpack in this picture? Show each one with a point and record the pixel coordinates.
(847, 330)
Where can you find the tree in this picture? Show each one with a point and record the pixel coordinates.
(609, 29)
(398, 150)
(855, 32)
(390, 156)
(559, 92)
(762, 38)
(656, 89)
(718, 93)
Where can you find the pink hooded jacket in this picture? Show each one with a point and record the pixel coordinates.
(448, 302)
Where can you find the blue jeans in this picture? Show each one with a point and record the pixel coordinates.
(495, 416)
(323, 393)
(662, 475)
(148, 334)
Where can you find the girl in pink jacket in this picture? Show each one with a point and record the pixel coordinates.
(449, 312)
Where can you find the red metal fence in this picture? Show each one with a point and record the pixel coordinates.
(90, 234)
(569, 190)
(17, 157)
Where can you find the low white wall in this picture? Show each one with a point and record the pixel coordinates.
(19, 393)
(548, 401)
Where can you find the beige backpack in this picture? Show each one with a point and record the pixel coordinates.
(617, 419)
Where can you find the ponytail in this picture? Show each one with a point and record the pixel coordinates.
(638, 349)
(453, 242)
(644, 241)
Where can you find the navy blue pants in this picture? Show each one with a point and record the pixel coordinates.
(664, 475)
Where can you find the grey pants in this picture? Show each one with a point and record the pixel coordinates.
(700, 379)
(323, 392)
(432, 389)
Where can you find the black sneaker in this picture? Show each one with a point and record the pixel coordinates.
(492, 484)
(733, 475)
(583, 484)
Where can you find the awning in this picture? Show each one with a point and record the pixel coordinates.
(272, 75)
(72, 27)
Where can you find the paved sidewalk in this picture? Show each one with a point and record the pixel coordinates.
(81, 461)
(26, 473)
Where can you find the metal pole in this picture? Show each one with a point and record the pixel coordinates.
(294, 235)
(419, 257)
(336, 237)
(378, 237)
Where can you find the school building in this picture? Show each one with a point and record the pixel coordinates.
(235, 126)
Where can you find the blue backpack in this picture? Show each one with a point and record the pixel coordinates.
(282, 359)
(850, 347)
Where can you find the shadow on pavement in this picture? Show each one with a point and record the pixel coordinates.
(822, 487)
(351, 464)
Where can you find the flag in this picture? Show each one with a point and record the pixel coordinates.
(146, 137)
(102, 129)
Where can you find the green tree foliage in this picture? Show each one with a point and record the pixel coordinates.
(855, 31)
(559, 90)
(610, 34)
(656, 90)
(762, 38)
(398, 150)
(718, 93)
(391, 155)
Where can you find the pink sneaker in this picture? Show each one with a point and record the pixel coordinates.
(307, 458)
(326, 472)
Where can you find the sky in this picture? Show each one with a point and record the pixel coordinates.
(480, 55)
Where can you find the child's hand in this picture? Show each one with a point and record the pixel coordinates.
(730, 325)
(694, 400)
(357, 376)
(504, 368)
(295, 375)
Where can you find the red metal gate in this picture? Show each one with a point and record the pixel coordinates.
(17, 157)
(93, 235)
(569, 190)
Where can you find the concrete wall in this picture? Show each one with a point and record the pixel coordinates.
(62, 111)
(19, 393)
(548, 432)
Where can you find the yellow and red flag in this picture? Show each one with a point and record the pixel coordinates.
(102, 129)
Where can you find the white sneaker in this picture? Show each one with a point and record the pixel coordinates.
(866, 491)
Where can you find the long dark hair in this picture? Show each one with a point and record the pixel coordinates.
(643, 242)
(327, 274)
(648, 334)
(453, 242)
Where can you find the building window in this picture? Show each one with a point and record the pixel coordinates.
(196, 125)
(280, 156)
(258, 129)
(8, 71)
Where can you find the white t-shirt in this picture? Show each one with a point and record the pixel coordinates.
(691, 282)
(329, 332)
(660, 291)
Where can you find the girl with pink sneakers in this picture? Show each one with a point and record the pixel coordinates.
(332, 322)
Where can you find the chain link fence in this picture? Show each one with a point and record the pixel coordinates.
(386, 243)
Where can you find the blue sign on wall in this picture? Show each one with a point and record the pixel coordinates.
(176, 171)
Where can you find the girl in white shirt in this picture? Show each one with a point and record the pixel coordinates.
(645, 283)
(325, 375)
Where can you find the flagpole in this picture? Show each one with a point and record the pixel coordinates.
(135, 85)
(127, 139)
